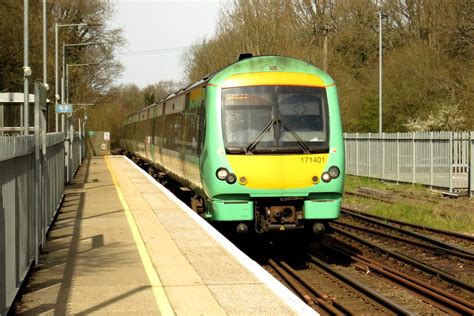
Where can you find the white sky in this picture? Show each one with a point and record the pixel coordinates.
(159, 25)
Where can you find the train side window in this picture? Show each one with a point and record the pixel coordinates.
(159, 122)
(191, 132)
(184, 122)
(201, 128)
(168, 127)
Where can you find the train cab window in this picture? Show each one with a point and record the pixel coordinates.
(265, 119)
(247, 111)
(302, 112)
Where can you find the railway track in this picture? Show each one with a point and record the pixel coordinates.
(353, 298)
(445, 301)
(402, 262)
(459, 239)
(389, 232)
(389, 200)
(458, 261)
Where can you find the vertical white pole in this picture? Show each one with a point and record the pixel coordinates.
(369, 151)
(67, 84)
(380, 71)
(45, 43)
(56, 77)
(26, 92)
(471, 164)
(413, 150)
(398, 157)
(383, 155)
(80, 141)
(37, 176)
(450, 162)
(357, 154)
(431, 160)
(63, 90)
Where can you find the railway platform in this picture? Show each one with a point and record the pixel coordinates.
(124, 244)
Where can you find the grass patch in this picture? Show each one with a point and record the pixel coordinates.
(444, 213)
(352, 183)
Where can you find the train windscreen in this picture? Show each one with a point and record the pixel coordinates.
(266, 119)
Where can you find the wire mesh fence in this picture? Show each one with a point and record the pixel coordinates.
(437, 159)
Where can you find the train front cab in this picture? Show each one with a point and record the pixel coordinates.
(276, 160)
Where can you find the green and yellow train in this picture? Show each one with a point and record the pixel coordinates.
(259, 143)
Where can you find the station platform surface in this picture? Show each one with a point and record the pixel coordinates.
(123, 244)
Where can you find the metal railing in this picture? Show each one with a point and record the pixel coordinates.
(33, 172)
(31, 193)
(437, 159)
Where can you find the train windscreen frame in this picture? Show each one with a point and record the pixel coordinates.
(275, 119)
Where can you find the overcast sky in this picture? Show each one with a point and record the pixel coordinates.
(157, 26)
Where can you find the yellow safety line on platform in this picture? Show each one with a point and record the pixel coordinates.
(160, 295)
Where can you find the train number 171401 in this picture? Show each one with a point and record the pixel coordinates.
(313, 160)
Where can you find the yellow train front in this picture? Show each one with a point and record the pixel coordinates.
(259, 142)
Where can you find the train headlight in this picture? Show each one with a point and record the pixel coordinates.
(334, 172)
(222, 173)
(315, 179)
(326, 177)
(231, 178)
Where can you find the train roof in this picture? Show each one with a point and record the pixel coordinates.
(245, 63)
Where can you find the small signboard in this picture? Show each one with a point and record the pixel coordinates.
(98, 143)
(64, 108)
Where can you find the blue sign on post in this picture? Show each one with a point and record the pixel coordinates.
(64, 108)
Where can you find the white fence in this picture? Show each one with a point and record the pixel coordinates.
(438, 159)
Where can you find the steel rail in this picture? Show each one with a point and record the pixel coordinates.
(307, 297)
(303, 281)
(399, 310)
(430, 229)
(433, 294)
(419, 265)
(367, 196)
(408, 241)
(410, 233)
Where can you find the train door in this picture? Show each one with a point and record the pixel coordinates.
(149, 147)
(184, 137)
(193, 130)
(157, 134)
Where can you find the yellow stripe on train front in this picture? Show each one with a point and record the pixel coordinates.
(278, 171)
(274, 78)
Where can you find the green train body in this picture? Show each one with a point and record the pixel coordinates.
(259, 142)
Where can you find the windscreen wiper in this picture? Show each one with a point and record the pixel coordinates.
(303, 145)
(259, 137)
